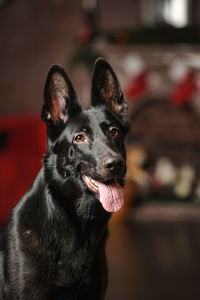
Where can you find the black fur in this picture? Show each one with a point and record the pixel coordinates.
(53, 244)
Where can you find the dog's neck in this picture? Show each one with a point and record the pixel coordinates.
(79, 203)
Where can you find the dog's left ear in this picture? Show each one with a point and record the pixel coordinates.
(106, 89)
(60, 100)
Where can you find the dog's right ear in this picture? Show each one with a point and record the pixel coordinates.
(60, 100)
(106, 89)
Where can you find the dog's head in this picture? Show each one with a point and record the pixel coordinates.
(86, 150)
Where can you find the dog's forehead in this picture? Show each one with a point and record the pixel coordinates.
(96, 115)
(91, 119)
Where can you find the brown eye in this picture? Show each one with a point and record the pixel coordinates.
(114, 131)
(80, 138)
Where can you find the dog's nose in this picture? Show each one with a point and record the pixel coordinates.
(112, 164)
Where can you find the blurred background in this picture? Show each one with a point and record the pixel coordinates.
(153, 45)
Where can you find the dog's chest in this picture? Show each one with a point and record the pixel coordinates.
(73, 268)
(72, 251)
(75, 264)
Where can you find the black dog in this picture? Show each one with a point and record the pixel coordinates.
(53, 245)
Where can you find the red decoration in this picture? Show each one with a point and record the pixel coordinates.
(137, 86)
(185, 89)
(20, 158)
(86, 35)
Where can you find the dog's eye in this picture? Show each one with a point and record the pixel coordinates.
(80, 138)
(114, 131)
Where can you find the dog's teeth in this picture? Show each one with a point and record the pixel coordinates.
(93, 181)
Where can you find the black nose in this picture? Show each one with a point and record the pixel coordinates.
(113, 164)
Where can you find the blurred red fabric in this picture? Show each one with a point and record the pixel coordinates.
(137, 86)
(185, 89)
(20, 158)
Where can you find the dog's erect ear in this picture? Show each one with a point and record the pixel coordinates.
(106, 88)
(60, 99)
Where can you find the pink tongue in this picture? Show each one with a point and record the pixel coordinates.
(111, 196)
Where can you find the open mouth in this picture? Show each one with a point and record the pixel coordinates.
(91, 183)
(111, 196)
